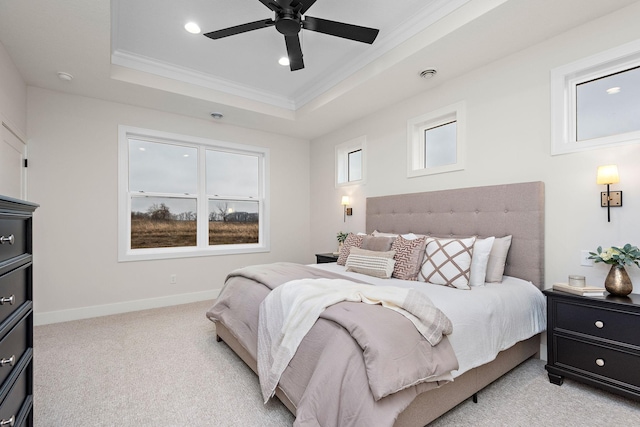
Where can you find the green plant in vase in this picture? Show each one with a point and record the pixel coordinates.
(617, 281)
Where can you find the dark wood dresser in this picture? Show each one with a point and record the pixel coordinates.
(16, 313)
(595, 340)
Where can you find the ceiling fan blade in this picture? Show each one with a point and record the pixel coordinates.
(339, 29)
(303, 4)
(231, 31)
(294, 51)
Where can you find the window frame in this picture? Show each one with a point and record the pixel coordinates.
(202, 248)
(416, 141)
(563, 84)
(342, 152)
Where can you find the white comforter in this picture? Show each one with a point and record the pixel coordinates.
(290, 310)
(486, 319)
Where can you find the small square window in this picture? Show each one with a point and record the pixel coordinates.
(435, 142)
(595, 101)
(350, 162)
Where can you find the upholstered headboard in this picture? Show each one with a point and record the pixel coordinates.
(497, 210)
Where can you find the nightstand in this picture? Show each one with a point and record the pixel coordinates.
(594, 340)
(326, 257)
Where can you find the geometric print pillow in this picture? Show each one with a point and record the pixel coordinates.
(448, 262)
(409, 254)
(352, 240)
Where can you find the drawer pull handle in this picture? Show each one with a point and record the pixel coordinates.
(10, 422)
(10, 240)
(600, 362)
(10, 361)
(599, 324)
(11, 300)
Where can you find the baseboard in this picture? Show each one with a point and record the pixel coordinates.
(121, 307)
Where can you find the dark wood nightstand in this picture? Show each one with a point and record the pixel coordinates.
(594, 340)
(326, 257)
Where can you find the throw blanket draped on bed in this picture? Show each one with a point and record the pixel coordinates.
(290, 310)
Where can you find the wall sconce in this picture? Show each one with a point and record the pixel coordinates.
(609, 175)
(347, 211)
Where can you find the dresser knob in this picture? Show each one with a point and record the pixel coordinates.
(9, 300)
(10, 240)
(8, 422)
(599, 324)
(8, 361)
(600, 362)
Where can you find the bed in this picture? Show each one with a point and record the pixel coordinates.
(515, 210)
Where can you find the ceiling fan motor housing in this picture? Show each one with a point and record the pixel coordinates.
(288, 22)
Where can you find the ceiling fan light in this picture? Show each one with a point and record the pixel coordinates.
(284, 61)
(192, 27)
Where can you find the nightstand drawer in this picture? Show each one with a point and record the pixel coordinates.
(604, 362)
(13, 235)
(13, 290)
(598, 322)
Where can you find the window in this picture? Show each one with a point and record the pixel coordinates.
(181, 196)
(350, 161)
(435, 142)
(595, 102)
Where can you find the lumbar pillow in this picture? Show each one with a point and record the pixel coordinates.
(498, 259)
(371, 263)
(479, 260)
(448, 262)
(352, 240)
(409, 254)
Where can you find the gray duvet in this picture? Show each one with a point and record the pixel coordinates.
(352, 352)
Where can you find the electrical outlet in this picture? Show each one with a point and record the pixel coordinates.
(584, 259)
(173, 279)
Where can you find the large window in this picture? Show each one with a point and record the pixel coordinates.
(595, 102)
(182, 196)
(435, 142)
(350, 162)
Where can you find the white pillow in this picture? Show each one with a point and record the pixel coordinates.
(447, 262)
(479, 260)
(498, 259)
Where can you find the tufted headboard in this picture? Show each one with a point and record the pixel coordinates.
(497, 210)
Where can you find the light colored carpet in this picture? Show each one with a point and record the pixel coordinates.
(164, 367)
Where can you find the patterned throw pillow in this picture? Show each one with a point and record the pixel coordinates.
(350, 241)
(409, 254)
(448, 262)
(372, 263)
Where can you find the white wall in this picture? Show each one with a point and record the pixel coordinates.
(73, 176)
(13, 94)
(508, 141)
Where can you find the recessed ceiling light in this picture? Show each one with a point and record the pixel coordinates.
(217, 115)
(65, 76)
(284, 61)
(428, 73)
(613, 90)
(192, 27)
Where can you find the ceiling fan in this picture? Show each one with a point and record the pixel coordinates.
(288, 21)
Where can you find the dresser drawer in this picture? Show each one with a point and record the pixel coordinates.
(605, 362)
(13, 290)
(12, 347)
(13, 235)
(12, 405)
(598, 322)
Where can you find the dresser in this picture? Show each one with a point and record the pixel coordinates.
(16, 312)
(594, 340)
